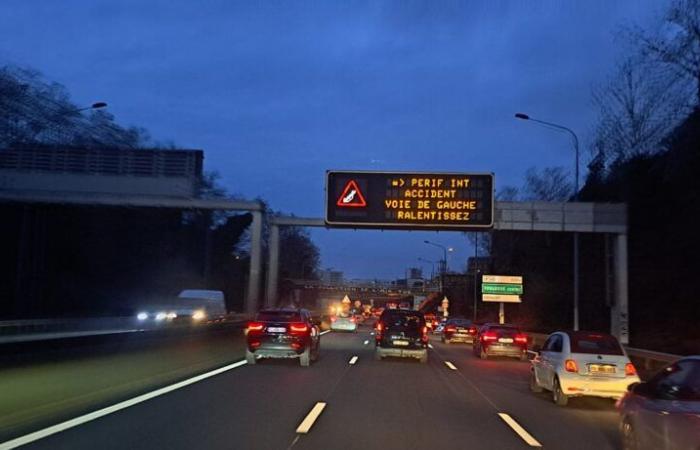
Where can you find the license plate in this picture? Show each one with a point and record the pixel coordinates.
(505, 340)
(400, 343)
(601, 368)
(276, 329)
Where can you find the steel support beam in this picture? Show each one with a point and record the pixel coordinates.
(619, 322)
(253, 297)
(273, 248)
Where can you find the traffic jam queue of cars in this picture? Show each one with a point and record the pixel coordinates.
(663, 412)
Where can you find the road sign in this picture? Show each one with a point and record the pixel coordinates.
(508, 279)
(501, 298)
(409, 200)
(498, 288)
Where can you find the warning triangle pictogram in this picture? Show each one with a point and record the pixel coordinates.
(351, 197)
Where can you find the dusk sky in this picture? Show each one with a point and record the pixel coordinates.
(276, 93)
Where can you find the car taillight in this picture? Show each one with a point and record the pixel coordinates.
(451, 329)
(352, 319)
(333, 319)
(521, 339)
(380, 327)
(489, 336)
(424, 334)
(630, 370)
(298, 328)
(255, 326)
(472, 331)
(570, 366)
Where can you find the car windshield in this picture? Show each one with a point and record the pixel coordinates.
(595, 344)
(503, 329)
(278, 316)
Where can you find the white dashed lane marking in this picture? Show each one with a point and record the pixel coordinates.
(310, 418)
(527, 437)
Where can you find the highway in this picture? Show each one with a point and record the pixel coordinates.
(390, 404)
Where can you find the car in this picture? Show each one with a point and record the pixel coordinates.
(401, 333)
(664, 412)
(495, 339)
(344, 322)
(458, 330)
(283, 333)
(582, 363)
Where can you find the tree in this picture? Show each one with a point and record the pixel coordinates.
(38, 112)
(550, 184)
(676, 44)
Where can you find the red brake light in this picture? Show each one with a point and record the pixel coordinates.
(451, 328)
(630, 370)
(352, 319)
(255, 326)
(489, 336)
(521, 339)
(298, 328)
(424, 337)
(380, 327)
(472, 330)
(333, 319)
(570, 366)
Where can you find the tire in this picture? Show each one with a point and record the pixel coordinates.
(305, 358)
(314, 358)
(558, 397)
(628, 436)
(424, 358)
(249, 357)
(483, 354)
(534, 387)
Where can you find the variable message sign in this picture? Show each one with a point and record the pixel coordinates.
(501, 288)
(409, 200)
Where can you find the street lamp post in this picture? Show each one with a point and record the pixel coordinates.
(576, 188)
(443, 269)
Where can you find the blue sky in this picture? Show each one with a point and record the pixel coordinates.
(278, 92)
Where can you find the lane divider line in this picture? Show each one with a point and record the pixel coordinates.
(35, 436)
(324, 332)
(366, 342)
(353, 360)
(527, 437)
(310, 418)
(450, 365)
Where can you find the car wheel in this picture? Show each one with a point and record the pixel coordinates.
(249, 357)
(317, 352)
(483, 354)
(377, 354)
(305, 358)
(559, 398)
(628, 436)
(534, 387)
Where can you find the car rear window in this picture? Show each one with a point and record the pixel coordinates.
(503, 329)
(460, 323)
(403, 320)
(278, 316)
(598, 344)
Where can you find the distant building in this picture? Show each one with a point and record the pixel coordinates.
(481, 264)
(415, 273)
(331, 277)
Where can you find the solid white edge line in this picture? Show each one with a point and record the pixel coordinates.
(310, 418)
(430, 346)
(527, 437)
(353, 360)
(450, 365)
(366, 342)
(324, 332)
(35, 436)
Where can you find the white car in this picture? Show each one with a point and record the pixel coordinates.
(344, 322)
(580, 363)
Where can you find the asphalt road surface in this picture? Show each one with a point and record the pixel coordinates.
(390, 404)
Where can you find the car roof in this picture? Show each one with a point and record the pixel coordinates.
(582, 334)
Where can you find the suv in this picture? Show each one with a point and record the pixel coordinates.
(495, 339)
(401, 333)
(283, 333)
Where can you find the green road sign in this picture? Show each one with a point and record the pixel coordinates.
(497, 288)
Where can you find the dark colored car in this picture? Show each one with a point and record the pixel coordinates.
(458, 330)
(495, 339)
(664, 412)
(283, 333)
(401, 333)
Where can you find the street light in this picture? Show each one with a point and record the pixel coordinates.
(444, 263)
(557, 127)
(96, 105)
